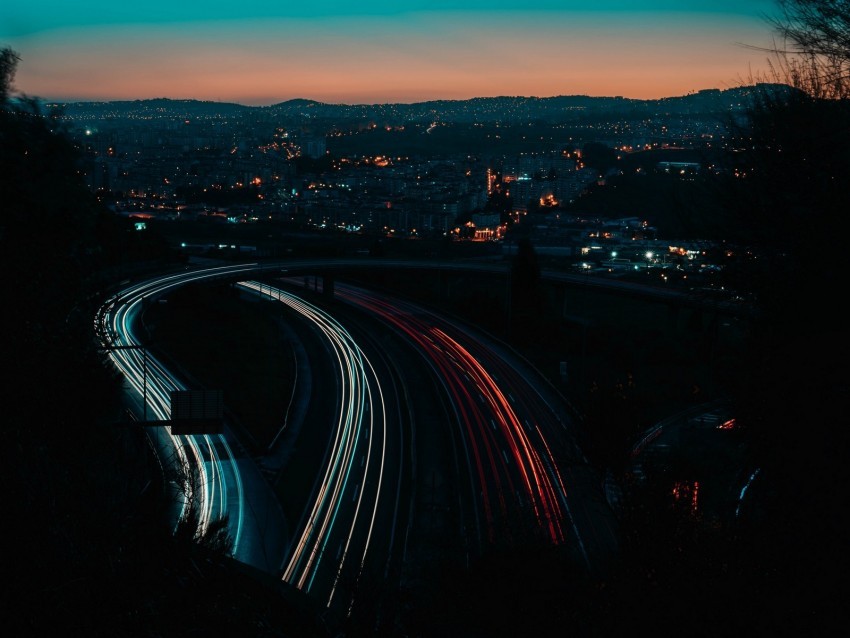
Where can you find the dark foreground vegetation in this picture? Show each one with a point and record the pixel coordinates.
(90, 551)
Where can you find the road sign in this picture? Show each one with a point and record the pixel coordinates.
(197, 412)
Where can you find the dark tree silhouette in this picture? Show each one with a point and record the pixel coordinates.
(786, 201)
(786, 204)
(814, 47)
(8, 65)
(777, 568)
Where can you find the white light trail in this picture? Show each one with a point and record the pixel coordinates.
(361, 421)
(116, 323)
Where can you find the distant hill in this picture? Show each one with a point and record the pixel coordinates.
(564, 108)
(519, 108)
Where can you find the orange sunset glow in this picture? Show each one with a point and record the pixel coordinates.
(375, 60)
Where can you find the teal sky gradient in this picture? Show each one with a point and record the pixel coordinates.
(377, 51)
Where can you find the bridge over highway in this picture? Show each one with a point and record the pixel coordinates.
(331, 269)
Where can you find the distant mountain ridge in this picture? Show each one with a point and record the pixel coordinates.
(481, 109)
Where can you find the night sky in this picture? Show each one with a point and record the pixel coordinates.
(378, 51)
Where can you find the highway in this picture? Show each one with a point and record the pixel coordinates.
(349, 526)
(519, 474)
(523, 476)
(212, 477)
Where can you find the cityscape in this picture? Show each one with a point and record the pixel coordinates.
(445, 366)
(367, 173)
(394, 167)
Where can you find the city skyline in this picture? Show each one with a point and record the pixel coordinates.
(381, 52)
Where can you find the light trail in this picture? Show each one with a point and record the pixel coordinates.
(486, 425)
(361, 421)
(535, 476)
(219, 490)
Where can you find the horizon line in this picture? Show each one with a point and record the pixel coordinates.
(354, 104)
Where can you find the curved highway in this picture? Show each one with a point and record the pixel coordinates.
(524, 476)
(349, 525)
(215, 474)
(521, 475)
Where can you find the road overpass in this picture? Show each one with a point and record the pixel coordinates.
(331, 269)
